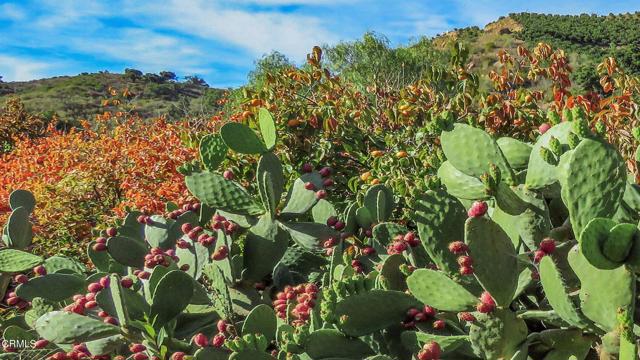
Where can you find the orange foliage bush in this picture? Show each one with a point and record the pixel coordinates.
(15, 121)
(86, 176)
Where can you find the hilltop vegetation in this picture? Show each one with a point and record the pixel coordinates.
(72, 98)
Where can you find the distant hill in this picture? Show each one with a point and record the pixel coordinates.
(588, 39)
(73, 98)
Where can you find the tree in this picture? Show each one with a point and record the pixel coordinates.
(168, 76)
(132, 74)
(195, 80)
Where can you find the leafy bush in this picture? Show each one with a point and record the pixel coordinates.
(97, 173)
(523, 251)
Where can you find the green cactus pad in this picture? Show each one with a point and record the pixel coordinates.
(197, 256)
(211, 353)
(267, 128)
(12, 260)
(414, 341)
(106, 345)
(541, 174)
(171, 296)
(62, 263)
(621, 239)
(602, 292)
(39, 307)
(216, 191)
(300, 200)
(163, 233)
(556, 293)
(592, 240)
(497, 335)
(309, 235)
(593, 182)
(52, 287)
(494, 258)
(515, 151)
(271, 181)
(436, 289)
(19, 229)
(261, 320)
(379, 201)
(103, 261)
(22, 198)
(440, 218)
(375, 310)
(477, 162)
(136, 306)
(131, 228)
(67, 328)
(322, 211)
(265, 244)
(566, 344)
(213, 150)
(242, 139)
(391, 275)
(460, 184)
(328, 343)
(126, 251)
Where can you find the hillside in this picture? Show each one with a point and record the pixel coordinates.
(588, 39)
(73, 98)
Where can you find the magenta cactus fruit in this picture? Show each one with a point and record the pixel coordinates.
(228, 174)
(478, 208)
(548, 245)
(458, 247)
(200, 340)
(543, 128)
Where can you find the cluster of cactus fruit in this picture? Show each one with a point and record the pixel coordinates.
(520, 251)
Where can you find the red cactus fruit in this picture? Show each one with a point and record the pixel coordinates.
(478, 208)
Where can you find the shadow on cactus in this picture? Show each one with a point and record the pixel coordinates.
(523, 251)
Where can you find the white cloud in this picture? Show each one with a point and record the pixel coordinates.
(255, 32)
(21, 69)
(12, 12)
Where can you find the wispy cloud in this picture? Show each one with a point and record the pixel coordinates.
(21, 69)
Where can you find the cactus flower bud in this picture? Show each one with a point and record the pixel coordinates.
(228, 174)
(218, 340)
(548, 245)
(458, 247)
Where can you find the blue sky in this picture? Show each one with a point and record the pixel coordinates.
(220, 40)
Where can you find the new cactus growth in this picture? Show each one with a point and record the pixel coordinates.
(521, 251)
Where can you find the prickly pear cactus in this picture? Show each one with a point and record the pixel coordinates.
(520, 252)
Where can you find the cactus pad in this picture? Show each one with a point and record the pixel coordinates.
(12, 260)
(67, 328)
(515, 151)
(22, 198)
(436, 289)
(171, 297)
(460, 184)
(52, 287)
(541, 174)
(593, 182)
(240, 138)
(327, 343)
(602, 292)
(477, 162)
(261, 320)
(19, 229)
(494, 255)
(127, 251)
(267, 128)
(216, 191)
(212, 151)
(497, 335)
(557, 294)
(440, 218)
(371, 311)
